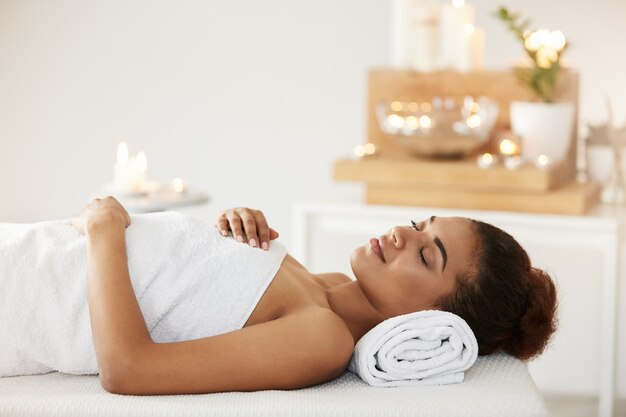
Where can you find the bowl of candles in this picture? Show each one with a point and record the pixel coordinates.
(439, 128)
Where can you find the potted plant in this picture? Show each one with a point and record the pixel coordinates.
(544, 125)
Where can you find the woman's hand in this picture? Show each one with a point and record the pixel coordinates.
(245, 220)
(107, 211)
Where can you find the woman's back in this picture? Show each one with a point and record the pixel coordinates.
(190, 282)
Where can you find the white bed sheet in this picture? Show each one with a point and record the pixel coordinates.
(497, 385)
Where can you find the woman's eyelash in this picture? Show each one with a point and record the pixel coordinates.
(422, 258)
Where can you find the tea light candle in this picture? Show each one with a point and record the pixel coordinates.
(178, 185)
(543, 162)
(512, 162)
(359, 151)
(509, 148)
(486, 160)
(369, 149)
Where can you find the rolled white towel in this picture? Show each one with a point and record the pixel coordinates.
(428, 347)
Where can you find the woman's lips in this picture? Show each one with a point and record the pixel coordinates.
(376, 248)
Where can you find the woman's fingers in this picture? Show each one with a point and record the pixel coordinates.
(263, 230)
(250, 228)
(247, 225)
(234, 221)
(222, 224)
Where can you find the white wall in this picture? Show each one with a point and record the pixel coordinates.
(250, 101)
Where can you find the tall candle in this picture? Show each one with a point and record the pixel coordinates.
(400, 25)
(425, 37)
(469, 55)
(454, 17)
(122, 176)
(130, 172)
(140, 170)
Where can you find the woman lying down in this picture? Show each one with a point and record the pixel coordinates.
(168, 304)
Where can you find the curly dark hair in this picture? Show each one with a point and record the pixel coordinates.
(509, 304)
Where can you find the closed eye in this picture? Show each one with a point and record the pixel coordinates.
(422, 258)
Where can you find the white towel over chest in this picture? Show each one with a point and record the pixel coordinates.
(190, 282)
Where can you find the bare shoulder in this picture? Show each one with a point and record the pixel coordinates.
(332, 279)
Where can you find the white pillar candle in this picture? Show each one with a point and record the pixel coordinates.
(402, 12)
(122, 176)
(469, 56)
(140, 172)
(478, 49)
(454, 17)
(425, 37)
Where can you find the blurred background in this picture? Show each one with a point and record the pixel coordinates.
(249, 102)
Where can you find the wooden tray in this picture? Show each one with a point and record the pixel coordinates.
(573, 198)
(460, 174)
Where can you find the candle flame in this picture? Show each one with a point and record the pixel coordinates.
(178, 185)
(396, 106)
(508, 147)
(425, 121)
(474, 121)
(412, 122)
(369, 148)
(122, 153)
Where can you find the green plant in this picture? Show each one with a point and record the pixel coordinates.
(543, 47)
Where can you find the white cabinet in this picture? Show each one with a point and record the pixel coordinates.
(580, 252)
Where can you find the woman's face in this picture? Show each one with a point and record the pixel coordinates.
(410, 268)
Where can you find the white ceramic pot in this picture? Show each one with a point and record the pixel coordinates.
(545, 128)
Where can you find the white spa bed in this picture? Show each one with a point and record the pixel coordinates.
(497, 385)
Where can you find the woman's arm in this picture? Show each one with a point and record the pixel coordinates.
(307, 347)
(117, 325)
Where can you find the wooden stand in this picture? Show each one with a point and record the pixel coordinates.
(392, 177)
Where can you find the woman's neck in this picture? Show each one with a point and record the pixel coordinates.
(348, 301)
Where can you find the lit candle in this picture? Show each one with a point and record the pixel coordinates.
(509, 147)
(454, 18)
(178, 185)
(369, 149)
(474, 121)
(395, 123)
(425, 36)
(359, 151)
(512, 162)
(486, 160)
(542, 161)
(140, 169)
(402, 13)
(122, 176)
(470, 50)
(130, 171)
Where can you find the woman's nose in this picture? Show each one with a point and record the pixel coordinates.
(397, 237)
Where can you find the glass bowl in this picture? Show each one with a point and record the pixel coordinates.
(441, 128)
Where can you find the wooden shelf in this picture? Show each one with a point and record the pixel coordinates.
(459, 174)
(573, 198)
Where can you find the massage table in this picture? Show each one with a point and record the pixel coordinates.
(497, 385)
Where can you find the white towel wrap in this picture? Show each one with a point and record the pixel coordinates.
(190, 282)
(425, 348)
